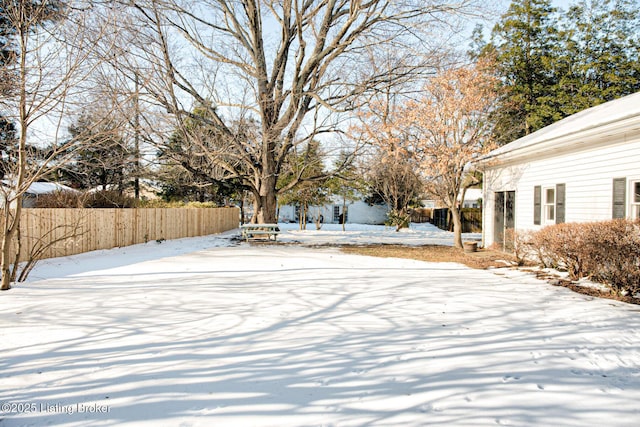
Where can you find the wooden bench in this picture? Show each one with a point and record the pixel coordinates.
(253, 231)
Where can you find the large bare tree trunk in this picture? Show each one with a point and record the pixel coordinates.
(267, 206)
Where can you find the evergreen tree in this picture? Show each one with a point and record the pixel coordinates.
(348, 184)
(6, 50)
(7, 129)
(7, 145)
(99, 157)
(553, 64)
(524, 43)
(602, 53)
(190, 171)
(35, 14)
(302, 167)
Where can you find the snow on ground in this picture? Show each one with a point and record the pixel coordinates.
(207, 332)
(359, 234)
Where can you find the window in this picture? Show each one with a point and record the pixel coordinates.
(619, 198)
(549, 205)
(337, 216)
(635, 199)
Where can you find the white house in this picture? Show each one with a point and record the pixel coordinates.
(357, 212)
(583, 168)
(472, 199)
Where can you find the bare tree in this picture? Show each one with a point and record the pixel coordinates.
(286, 64)
(448, 127)
(52, 43)
(392, 172)
(394, 177)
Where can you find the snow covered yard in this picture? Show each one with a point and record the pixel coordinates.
(360, 234)
(283, 335)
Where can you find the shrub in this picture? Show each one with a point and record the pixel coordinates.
(520, 243)
(60, 199)
(159, 203)
(398, 219)
(607, 252)
(617, 258)
(570, 246)
(109, 199)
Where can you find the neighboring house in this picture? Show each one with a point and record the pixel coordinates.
(583, 168)
(148, 190)
(357, 212)
(35, 190)
(472, 199)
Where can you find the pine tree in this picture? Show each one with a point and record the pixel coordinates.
(348, 184)
(553, 64)
(7, 129)
(602, 53)
(99, 157)
(190, 170)
(523, 44)
(304, 174)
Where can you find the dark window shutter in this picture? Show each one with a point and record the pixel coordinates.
(619, 198)
(537, 204)
(560, 206)
(498, 222)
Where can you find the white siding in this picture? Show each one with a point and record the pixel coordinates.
(362, 213)
(588, 175)
(358, 212)
(286, 213)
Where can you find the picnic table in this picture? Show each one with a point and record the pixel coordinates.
(253, 231)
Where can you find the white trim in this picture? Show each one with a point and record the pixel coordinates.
(633, 198)
(548, 207)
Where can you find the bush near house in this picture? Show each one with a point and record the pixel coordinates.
(607, 252)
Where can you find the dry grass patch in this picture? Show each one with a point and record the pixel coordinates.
(482, 259)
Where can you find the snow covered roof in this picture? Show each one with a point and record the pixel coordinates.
(592, 124)
(47, 187)
(38, 188)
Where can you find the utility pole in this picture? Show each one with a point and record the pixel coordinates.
(136, 141)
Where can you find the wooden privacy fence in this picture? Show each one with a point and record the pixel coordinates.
(471, 219)
(62, 232)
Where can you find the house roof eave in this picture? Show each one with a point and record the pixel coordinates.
(610, 121)
(614, 132)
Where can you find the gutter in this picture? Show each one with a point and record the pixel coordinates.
(598, 134)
